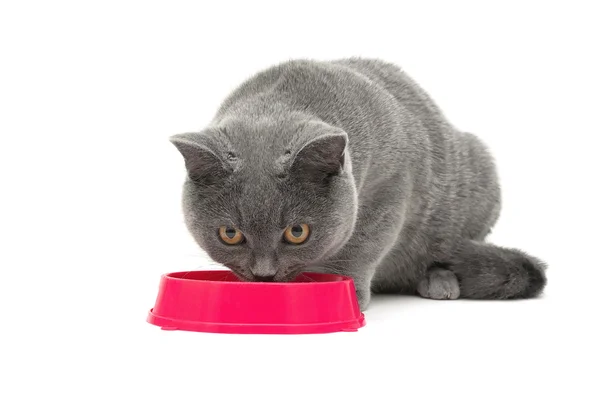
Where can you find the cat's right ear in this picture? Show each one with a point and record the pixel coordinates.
(203, 164)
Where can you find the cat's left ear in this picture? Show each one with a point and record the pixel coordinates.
(324, 156)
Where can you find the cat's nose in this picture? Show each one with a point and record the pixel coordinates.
(264, 269)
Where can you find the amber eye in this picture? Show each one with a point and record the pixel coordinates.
(230, 235)
(296, 234)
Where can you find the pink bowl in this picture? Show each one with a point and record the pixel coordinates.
(217, 301)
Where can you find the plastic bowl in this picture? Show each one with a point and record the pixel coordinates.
(218, 302)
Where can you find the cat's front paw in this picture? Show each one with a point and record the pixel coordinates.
(439, 284)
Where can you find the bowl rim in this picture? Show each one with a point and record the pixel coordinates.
(339, 279)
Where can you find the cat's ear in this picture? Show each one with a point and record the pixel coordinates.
(203, 164)
(322, 157)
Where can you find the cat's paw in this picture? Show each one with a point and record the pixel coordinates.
(439, 284)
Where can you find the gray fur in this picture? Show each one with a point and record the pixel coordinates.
(393, 193)
(439, 284)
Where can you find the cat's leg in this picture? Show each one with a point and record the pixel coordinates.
(361, 272)
(363, 290)
(486, 271)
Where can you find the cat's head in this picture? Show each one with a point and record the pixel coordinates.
(268, 206)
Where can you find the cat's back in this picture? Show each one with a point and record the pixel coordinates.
(373, 101)
(410, 96)
(315, 86)
(347, 92)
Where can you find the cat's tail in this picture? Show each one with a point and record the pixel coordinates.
(486, 271)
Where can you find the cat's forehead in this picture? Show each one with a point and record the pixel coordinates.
(261, 138)
(262, 150)
(259, 202)
(261, 198)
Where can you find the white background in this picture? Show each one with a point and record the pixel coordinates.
(90, 186)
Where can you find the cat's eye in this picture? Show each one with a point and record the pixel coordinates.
(230, 235)
(296, 234)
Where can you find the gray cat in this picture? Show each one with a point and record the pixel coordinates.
(349, 167)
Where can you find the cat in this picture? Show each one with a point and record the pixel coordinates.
(349, 167)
